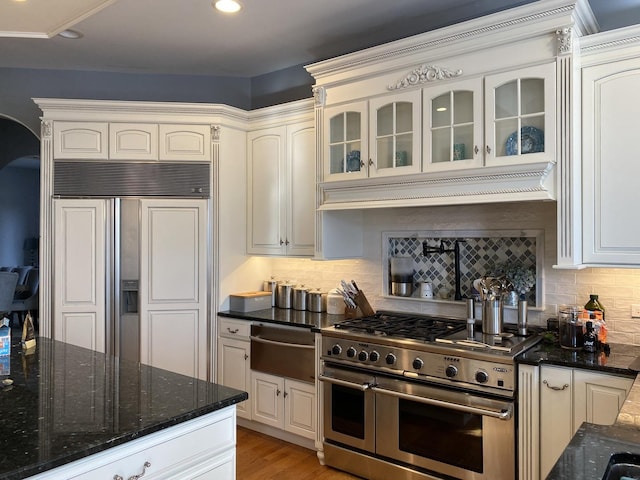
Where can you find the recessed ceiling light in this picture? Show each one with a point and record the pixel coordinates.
(227, 6)
(72, 34)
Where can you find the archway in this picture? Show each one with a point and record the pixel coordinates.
(19, 194)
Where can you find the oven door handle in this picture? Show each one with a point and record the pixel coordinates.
(282, 344)
(500, 414)
(360, 386)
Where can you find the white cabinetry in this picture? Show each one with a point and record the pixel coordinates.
(283, 403)
(82, 140)
(522, 101)
(346, 155)
(80, 272)
(281, 185)
(569, 397)
(611, 108)
(173, 286)
(133, 141)
(234, 365)
(203, 449)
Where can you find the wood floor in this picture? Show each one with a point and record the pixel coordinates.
(261, 457)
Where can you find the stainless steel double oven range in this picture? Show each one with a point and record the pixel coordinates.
(412, 397)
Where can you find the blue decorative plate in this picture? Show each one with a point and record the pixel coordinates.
(531, 138)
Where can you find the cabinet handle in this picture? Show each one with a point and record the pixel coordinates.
(564, 387)
(286, 241)
(361, 164)
(235, 330)
(476, 149)
(488, 150)
(135, 477)
(281, 242)
(370, 163)
(246, 356)
(278, 392)
(285, 394)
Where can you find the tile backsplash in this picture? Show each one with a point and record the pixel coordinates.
(479, 256)
(617, 288)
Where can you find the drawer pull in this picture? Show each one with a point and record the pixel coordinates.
(564, 387)
(135, 477)
(234, 331)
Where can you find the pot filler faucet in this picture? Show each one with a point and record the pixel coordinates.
(428, 250)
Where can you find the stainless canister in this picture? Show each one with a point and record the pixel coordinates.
(271, 286)
(492, 316)
(299, 301)
(284, 295)
(316, 301)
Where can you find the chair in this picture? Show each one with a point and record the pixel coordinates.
(8, 282)
(22, 273)
(21, 306)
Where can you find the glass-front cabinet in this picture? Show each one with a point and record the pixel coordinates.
(520, 124)
(346, 154)
(394, 125)
(453, 126)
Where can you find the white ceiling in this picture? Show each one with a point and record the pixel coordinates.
(190, 37)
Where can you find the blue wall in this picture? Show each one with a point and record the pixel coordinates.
(19, 211)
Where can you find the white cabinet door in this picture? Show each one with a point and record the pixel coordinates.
(173, 296)
(266, 214)
(395, 134)
(268, 399)
(81, 140)
(300, 408)
(556, 415)
(598, 397)
(453, 121)
(234, 370)
(282, 190)
(521, 101)
(80, 272)
(185, 142)
(346, 154)
(301, 181)
(133, 141)
(611, 108)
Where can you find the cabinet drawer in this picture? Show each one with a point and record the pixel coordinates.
(168, 452)
(234, 328)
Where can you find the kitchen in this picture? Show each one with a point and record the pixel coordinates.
(615, 286)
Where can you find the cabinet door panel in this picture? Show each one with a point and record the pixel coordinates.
(346, 142)
(598, 397)
(80, 272)
(556, 406)
(266, 211)
(234, 371)
(300, 408)
(88, 140)
(268, 403)
(173, 299)
(185, 142)
(133, 141)
(302, 189)
(611, 107)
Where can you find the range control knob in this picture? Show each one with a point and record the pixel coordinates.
(418, 363)
(362, 356)
(390, 359)
(374, 356)
(336, 350)
(451, 371)
(482, 377)
(351, 352)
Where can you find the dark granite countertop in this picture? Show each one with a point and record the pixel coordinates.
(620, 359)
(285, 316)
(68, 402)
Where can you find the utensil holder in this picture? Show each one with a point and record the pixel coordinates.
(492, 316)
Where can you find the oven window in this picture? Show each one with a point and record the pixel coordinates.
(441, 434)
(347, 411)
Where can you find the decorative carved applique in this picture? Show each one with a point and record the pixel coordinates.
(424, 74)
(564, 36)
(46, 128)
(215, 133)
(320, 96)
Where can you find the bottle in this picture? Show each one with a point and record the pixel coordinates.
(594, 311)
(590, 339)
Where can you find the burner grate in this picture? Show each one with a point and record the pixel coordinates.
(404, 326)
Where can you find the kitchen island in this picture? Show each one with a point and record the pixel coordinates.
(68, 412)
